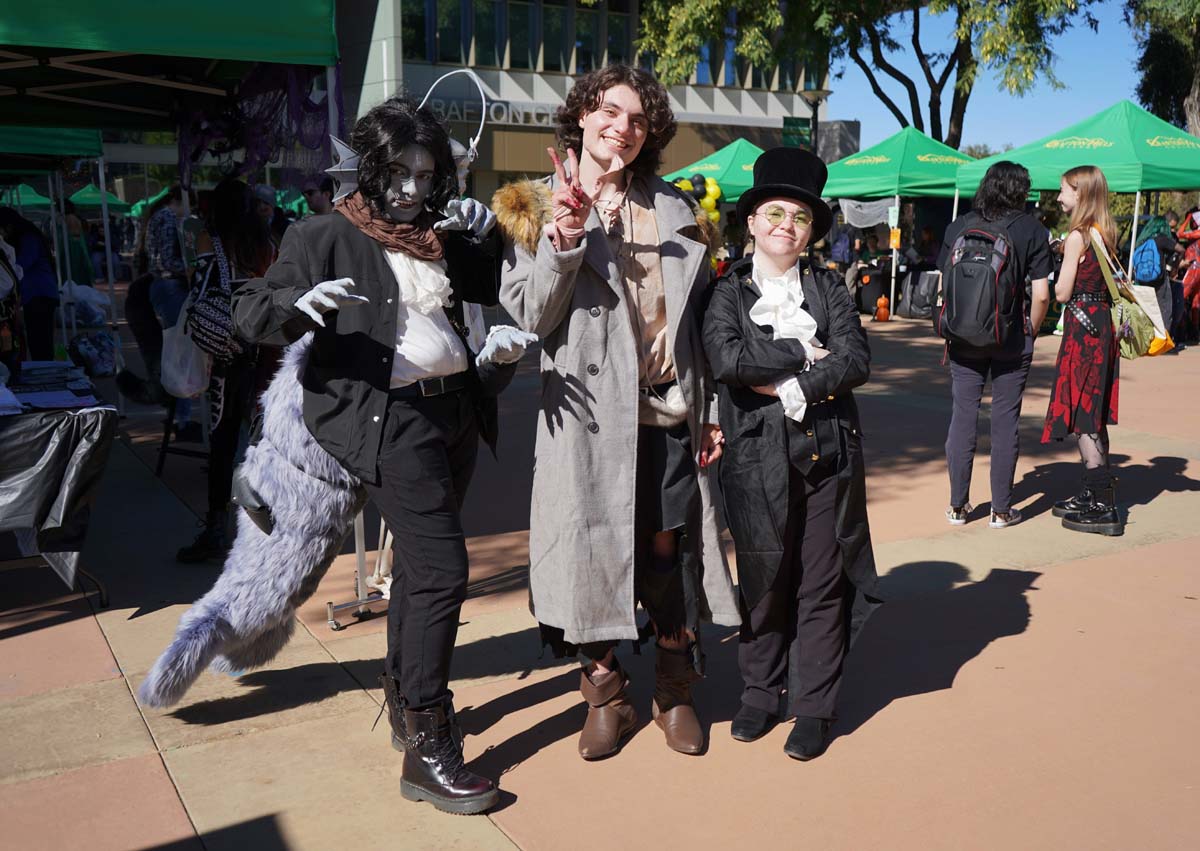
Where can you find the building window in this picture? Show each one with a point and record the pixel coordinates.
(522, 35)
(760, 78)
(557, 52)
(489, 50)
(412, 30)
(587, 39)
(731, 60)
(789, 74)
(620, 32)
(709, 70)
(449, 32)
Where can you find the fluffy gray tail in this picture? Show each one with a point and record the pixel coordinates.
(197, 642)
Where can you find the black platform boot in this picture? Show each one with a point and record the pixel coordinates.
(393, 703)
(1100, 518)
(1073, 505)
(212, 544)
(434, 769)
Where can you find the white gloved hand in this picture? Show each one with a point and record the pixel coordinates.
(468, 215)
(327, 296)
(504, 344)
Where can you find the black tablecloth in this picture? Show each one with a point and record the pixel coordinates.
(50, 468)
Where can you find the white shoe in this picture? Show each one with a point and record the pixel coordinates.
(958, 516)
(1002, 521)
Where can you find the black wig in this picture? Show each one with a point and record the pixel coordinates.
(380, 136)
(1004, 190)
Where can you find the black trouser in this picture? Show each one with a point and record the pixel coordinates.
(237, 406)
(425, 465)
(968, 375)
(144, 324)
(796, 634)
(39, 326)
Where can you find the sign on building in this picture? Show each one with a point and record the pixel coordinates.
(797, 132)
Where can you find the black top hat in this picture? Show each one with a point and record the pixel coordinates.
(789, 173)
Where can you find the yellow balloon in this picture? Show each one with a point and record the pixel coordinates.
(710, 181)
(714, 216)
(708, 202)
(685, 185)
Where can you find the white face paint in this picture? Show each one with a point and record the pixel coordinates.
(412, 181)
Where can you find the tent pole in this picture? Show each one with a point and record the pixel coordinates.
(954, 214)
(895, 258)
(1137, 210)
(62, 205)
(118, 360)
(62, 312)
(331, 100)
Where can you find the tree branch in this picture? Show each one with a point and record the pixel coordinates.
(879, 92)
(963, 83)
(935, 91)
(896, 74)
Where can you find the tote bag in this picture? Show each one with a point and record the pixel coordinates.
(1136, 318)
(186, 368)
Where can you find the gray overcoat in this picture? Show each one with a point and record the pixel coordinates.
(581, 525)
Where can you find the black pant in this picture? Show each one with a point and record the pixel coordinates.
(144, 324)
(237, 401)
(796, 634)
(39, 326)
(425, 465)
(968, 375)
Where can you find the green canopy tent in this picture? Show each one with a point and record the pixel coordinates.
(732, 167)
(908, 164)
(1136, 150)
(24, 197)
(88, 198)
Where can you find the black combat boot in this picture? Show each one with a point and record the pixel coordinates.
(1073, 505)
(212, 544)
(394, 704)
(1100, 518)
(434, 769)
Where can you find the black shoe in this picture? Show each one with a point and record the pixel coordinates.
(212, 544)
(751, 723)
(393, 703)
(434, 769)
(809, 738)
(1082, 500)
(1100, 518)
(189, 432)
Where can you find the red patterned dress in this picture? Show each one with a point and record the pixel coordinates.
(1087, 374)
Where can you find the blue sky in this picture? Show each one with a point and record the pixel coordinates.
(1098, 69)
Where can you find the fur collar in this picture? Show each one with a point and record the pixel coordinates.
(523, 208)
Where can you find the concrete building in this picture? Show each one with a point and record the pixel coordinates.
(527, 53)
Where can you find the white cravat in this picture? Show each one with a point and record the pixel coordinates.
(780, 307)
(426, 344)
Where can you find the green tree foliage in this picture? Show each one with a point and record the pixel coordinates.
(1169, 64)
(1013, 38)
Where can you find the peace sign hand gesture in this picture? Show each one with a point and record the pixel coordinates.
(571, 204)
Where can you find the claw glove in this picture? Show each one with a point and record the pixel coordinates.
(468, 215)
(327, 296)
(504, 344)
(780, 308)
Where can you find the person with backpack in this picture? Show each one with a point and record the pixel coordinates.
(989, 326)
(1087, 372)
(1153, 259)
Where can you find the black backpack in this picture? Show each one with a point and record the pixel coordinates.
(982, 295)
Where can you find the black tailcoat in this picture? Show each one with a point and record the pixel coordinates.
(754, 470)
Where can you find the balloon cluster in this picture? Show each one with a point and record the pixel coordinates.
(706, 191)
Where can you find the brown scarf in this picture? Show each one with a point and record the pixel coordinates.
(417, 239)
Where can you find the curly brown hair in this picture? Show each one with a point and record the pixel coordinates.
(588, 93)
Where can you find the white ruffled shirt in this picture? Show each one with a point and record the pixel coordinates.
(427, 346)
(780, 307)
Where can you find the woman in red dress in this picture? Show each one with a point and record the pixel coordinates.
(1084, 401)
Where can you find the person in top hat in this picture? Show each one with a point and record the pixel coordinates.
(786, 346)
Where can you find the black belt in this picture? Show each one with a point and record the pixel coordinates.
(431, 387)
(1089, 298)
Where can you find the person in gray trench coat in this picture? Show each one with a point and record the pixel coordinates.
(607, 263)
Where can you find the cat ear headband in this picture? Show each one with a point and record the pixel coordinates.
(345, 159)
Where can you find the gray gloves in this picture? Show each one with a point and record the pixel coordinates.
(468, 215)
(327, 296)
(504, 344)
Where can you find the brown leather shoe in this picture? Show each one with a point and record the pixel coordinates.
(611, 717)
(672, 707)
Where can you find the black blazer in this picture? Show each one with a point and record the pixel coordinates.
(755, 468)
(349, 369)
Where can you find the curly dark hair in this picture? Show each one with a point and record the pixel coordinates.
(588, 93)
(1004, 190)
(380, 136)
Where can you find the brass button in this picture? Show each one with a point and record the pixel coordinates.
(809, 432)
(816, 457)
(830, 398)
